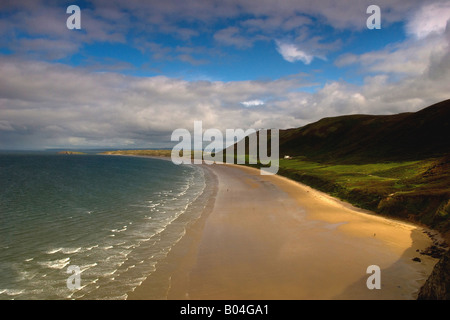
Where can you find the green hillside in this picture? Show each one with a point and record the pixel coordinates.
(397, 165)
(417, 191)
(367, 138)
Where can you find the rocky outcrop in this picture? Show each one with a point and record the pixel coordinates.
(70, 152)
(437, 287)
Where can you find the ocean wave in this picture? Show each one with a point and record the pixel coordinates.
(124, 228)
(124, 251)
(151, 205)
(55, 264)
(131, 246)
(64, 250)
(26, 275)
(87, 266)
(11, 292)
(90, 248)
(53, 251)
(71, 250)
(130, 267)
(147, 239)
(110, 273)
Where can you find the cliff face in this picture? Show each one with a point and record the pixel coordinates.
(437, 286)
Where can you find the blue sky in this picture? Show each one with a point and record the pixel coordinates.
(137, 70)
(233, 57)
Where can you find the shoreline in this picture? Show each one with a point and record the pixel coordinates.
(179, 259)
(435, 235)
(273, 253)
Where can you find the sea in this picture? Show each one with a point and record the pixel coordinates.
(90, 226)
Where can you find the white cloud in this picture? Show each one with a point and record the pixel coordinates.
(253, 103)
(51, 105)
(291, 53)
(45, 104)
(115, 21)
(432, 18)
(412, 57)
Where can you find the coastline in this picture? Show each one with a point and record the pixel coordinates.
(179, 260)
(268, 237)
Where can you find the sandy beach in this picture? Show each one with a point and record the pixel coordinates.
(267, 237)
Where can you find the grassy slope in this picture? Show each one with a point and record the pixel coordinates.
(412, 190)
(367, 138)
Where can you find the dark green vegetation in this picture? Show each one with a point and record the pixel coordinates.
(368, 139)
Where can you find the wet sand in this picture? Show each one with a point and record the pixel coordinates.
(268, 237)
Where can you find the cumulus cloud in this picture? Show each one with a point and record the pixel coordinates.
(430, 42)
(52, 105)
(116, 20)
(43, 104)
(411, 57)
(291, 53)
(431, 18)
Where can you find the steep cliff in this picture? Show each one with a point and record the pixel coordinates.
(437, 286)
